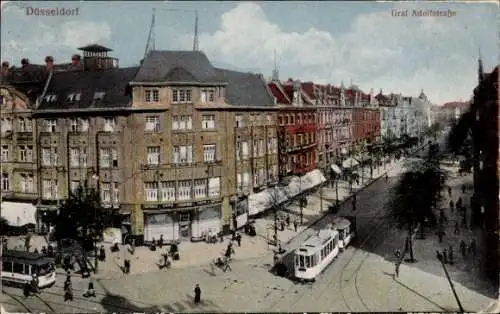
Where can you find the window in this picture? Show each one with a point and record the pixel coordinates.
(244, 150)
(207, 95)
(262, 150)
(183, 154)
(99, 96)
(74, 186)
(181, 96)
(51, 98)
(214, 187)
(153, 155)
(203, 96)
(184, 123)
(22, 125)
(151, 191)
(105, 160)
(49, 156)
(84, 125)
(246, 179)
(262, 176)
(269, 119)
(74, 125)
(239, 121)
(6, 125)
(50, 125)
(106, 192)
(153, 124)
(209, 152)
(26, 153)
(73, 97)
(200, 188)
(175, 123)
(45, 156)
(116, 193)
(5, 182)
(114, 155)
(109, 124)
(50, 189)
(241, 150)
(167, 192)
(255, 148)
(208, 122)
(152, 95)
(83, 157)
(239, 183)
(74, 157)
(5, 153)
(184, 190)
(211, 95)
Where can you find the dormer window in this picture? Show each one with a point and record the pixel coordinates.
(109, 124)
(99, 96)
(207, 95)
(181, 96)
(51, 98)
(151, 95)
(73, 97)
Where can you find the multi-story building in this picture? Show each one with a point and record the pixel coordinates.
(451, 111)
(175, 144)
(205, 138)
(297, 126)
(82, 131)
(18, 93)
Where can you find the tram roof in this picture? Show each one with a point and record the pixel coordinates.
(340, 223)
(316, 242)
(23, 256)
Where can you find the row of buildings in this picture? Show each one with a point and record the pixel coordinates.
(175, 145)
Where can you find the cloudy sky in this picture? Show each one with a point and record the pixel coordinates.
(324, 42)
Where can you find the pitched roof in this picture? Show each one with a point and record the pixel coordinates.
(308, 88)
(158, 66)
(455, 104)
(113, 83)
(94, 48)
(279, 92)
(245, 89)
(29, 80)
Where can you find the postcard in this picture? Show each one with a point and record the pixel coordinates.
(238, 156)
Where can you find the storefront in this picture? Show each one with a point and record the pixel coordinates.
(206, 219)
(240, 213)
(182, 224)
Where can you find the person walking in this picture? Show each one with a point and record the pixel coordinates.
(396, 269)
(295, 225)
(238, 239)
(449, 191)
(462, 248)
(450, 255)
(445, 257)
(463, 188)
(197, 294)
(90, 290)
(451, 205)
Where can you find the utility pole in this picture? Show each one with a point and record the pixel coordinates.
(440, 258)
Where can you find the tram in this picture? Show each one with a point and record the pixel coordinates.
(345, 230)
(20, 267)
(315, 254)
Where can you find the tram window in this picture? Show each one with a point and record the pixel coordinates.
(313, 260)
(7, 267)
(18, 268)
(44, 269)
(301, 261)
(296, 260)
(341, 234)
(308, 261)
(347, 230)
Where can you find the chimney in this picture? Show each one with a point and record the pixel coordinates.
(25, 62)
(49, 63)
(5, 68)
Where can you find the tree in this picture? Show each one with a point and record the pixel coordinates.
(416, 194)
(82, 217)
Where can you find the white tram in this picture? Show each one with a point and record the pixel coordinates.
(345, 230)
(21, 266)
(315, 254)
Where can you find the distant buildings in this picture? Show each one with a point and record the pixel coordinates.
(451, 111)
(177, 146)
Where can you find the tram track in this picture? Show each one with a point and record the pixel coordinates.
(31, 308)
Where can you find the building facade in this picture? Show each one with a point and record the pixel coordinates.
(297, 128)
(18, 91)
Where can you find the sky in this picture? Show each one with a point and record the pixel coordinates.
(360, 43)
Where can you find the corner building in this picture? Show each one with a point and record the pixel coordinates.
(201, 140)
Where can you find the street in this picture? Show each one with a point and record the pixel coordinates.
(360, 279)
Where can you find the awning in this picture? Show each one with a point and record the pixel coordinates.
(336, 169)
(19, 214)
(350, 162)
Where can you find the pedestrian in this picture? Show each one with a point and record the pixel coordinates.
(386, 177)
(227, 265)
(396, 272)
(282, 225)
(463, 188)
(451, 205)
(450, 254)
(68, 294)
(473, 247)
(354, 202)
(238, 239)
(459, 203)
(288, 220)
(449, 191)
(457, 228)
(398, 254)
(26, 289)
(441, 217)
(90, 290)
(463, 248)
(445, 257)
(197, 294)
(295, 225)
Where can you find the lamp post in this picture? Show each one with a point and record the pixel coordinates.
(94, 177)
